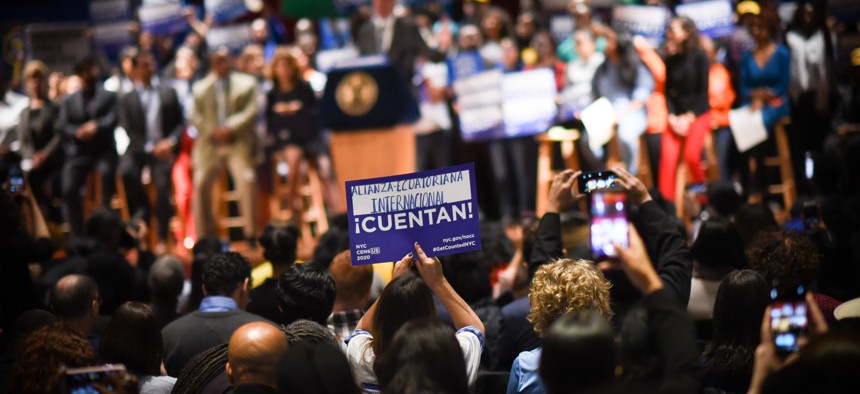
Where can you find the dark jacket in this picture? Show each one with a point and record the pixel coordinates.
(40, 134)
(132, 118)
(74, 112)
(406, 46)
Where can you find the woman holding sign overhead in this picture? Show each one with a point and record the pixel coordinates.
(687, 73)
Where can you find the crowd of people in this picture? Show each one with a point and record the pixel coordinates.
(686, 306)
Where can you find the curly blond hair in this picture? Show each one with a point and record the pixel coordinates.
(564, 286)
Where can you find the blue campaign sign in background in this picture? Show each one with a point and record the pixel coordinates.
(647, 21)
(437, 208)
(162, 19)
(714, 18)
(225, 10)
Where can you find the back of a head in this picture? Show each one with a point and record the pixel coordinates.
(133, 338)
(201, 370)
(166, 278)
(332, 242)
(469, 275)
(309, 332)
(315, 368)
(425, 357)
(352, 283)
(224, 273)
(753, 219)
(45, 351)
(405, 298)
(784, 255)
(719, 246)
(203, 250)
(578, 353)
(565, 286)
(104, 225)
(307, 291)
(253, 353)
(738, 309)
(723, 198)
(829, 363)
(279, 244)
(72, 297)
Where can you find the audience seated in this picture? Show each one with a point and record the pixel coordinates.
(717, 251)
(133, 338)
(728, 358)
(315, 368)
(310, 332)
(579, 352)
(75, 299)
(252, 358)
(279, 249)
(305, 291)
(166, 279)
(226, 279)
(352, 294)
(51, 347)
(407, 297)
(424, 356)
(13, 339)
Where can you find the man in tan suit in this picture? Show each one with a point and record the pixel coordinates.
(225, 109)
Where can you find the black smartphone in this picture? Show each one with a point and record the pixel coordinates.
(811, 215)
(81, 380)
(15, 182)
(609, 223)
(598, 180)
(788, 314)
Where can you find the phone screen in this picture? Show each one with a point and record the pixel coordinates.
(608, 223)
(16, 180)
(591, 181)
(808, 166)
(788, 315)
(80, 381)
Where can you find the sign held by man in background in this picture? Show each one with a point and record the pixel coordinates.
(437, 208)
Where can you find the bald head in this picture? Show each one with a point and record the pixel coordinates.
(253, 354)
(75, 299)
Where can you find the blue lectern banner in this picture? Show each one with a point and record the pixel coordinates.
(437, 208)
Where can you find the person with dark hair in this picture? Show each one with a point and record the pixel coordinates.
(203, 250)
(252, 358)
(567, 342)
(87, 119)
(752, 220)
(407, 297)
(717, 251)
(315, 368)
(279, 249)
(152, 117)
(45, 351)
(723, 200)
(305, 291)
(330, 244)
(424, 356)
(687, 74)
(133, 338)
(75, 300)
(226, 279)
(352, 293)
(311, 332)
(728, 358)
(166, 280)
(625, 81)
(13, 338)
(205, 373)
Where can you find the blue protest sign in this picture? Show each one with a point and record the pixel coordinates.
(225, 10)
(109, 10)
(162, 19)
(713, 18)
(528, 105)
(233, 37)
(437, 208)
(646, 21)
(480, 99)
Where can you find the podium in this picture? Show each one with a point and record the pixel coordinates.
(370, 111)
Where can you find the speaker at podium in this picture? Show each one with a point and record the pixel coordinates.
(370, 112)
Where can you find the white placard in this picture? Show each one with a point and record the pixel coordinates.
(599, 118)
(748, 128)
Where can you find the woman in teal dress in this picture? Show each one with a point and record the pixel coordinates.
(765, 72)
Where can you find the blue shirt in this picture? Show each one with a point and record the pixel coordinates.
(524, 374)
(217, 304)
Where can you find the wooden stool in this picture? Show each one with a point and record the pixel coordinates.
(782, 161)
(712, 169)
(93, 195)
(223, 197)
(313, 221)
(567, 139)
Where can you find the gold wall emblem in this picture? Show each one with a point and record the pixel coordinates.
(356, 93)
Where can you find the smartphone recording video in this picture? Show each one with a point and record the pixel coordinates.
(811, 215)
(788, 315)
(81, 380)
(15, 183)
(598, 180)
(608, 223)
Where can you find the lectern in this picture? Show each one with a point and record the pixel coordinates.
(370, 111)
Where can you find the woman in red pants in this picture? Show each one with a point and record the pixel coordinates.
(687, 69)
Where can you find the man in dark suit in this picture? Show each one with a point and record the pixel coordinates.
(87, 120)
(152, 117)
(398, 38)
